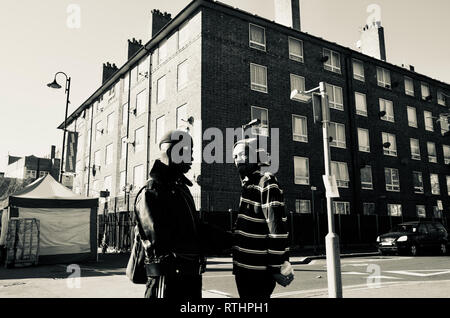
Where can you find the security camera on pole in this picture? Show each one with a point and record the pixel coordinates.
(321, 111)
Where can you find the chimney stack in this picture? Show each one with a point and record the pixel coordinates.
(133, 47)
(287, 13)
(159, 20)
(108, 70)
(53, 152)
(372, 41)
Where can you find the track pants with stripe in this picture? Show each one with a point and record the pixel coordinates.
(174, 287)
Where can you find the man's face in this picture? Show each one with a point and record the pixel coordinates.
(184, 157)
(239, 155)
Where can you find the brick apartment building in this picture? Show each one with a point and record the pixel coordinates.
(216, 66)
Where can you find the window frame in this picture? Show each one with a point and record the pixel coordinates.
(431, 159)
(363, 148)
(253, 44)
(298, 206)
(346, 205)
(292, 56)
(433, 192)
(304, 120)
(333, 126)
(257, 87)
(307, 178)
(418, 189)
(291, 76)
(358, 110)
(394, 185)
(392, 139)
(328, 65)
(394, 205)
(260, 130)
(412, 124)
(385, 102)
(341, 183)
(383, 81)
(366, 185)
(358, 77)
(415, 156)
(430, 118)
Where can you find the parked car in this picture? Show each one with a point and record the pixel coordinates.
(414, 238)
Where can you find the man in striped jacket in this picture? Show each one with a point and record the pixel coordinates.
(260, 253)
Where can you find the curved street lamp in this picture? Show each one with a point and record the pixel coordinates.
(55, 85)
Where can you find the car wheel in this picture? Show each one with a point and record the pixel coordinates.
(443, 249)
(414, 250)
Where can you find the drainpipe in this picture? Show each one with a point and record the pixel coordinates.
(149, 103)
(90, 150)
(127, 194)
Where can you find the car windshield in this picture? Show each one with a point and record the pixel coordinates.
(408, 228)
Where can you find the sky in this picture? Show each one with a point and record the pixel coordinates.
(40, 38)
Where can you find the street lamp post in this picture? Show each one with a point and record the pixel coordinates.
(332, 239)
(55, 85)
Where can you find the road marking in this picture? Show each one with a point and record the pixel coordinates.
(215, 276)
(353, 273)
(218, 292)
(434, 272)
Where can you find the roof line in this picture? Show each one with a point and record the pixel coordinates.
(191, 7)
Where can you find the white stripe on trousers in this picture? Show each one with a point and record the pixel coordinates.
(160, 293)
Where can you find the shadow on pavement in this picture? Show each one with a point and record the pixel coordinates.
(107, 265)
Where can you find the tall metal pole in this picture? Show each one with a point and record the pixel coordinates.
(61, 171)
(331, 240)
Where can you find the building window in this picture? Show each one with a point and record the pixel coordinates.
(139, 139)
(109, 154)
(337, 132)
(361, 104)
(431, 148)
(257, 36)
(446, 150)
(425, 90)
(182, 73)
(126, 82)
(340, 171)
(448, 185)
(181, 116)
(161, 90)
(417, 182)
(31, 174)
(160, 128)
(123, 150)
(437, 214)
(443, 120)
(335, 99)
(263, 115)
(138, 177)
(428, 118)
(124, 114)
(409, 86)
(298, 83)
(258, 78)
(421, 211)
(122, 181)
(98, 130)
(388, 107)
(107, 183)
(110, 123)
(441, 98)
(412, 116)
(383, 77)
(358, 70)
(183, 35)
(369, 208)
(140, 103)
(302, 206)
(394, 209)
(366, 178)
(295, 49)
(434, 180)
(392, 179)
(301, 170)
(392, 149)
(341, 207)
(299, 128)
(415, 148)
(162, 52)
(363, 140)
(97, 158)
(334, 61)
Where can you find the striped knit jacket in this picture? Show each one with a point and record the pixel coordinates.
(260, 234)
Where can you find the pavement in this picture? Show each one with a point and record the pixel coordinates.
(106, 279)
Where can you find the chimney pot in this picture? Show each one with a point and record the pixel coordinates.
(159, 20)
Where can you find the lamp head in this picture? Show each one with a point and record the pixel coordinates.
(54, 84)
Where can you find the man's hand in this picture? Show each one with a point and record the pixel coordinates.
(283, 280)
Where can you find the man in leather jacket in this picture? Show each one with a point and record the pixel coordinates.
(170, 229)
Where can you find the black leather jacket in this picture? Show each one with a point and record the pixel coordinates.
(171, 231)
